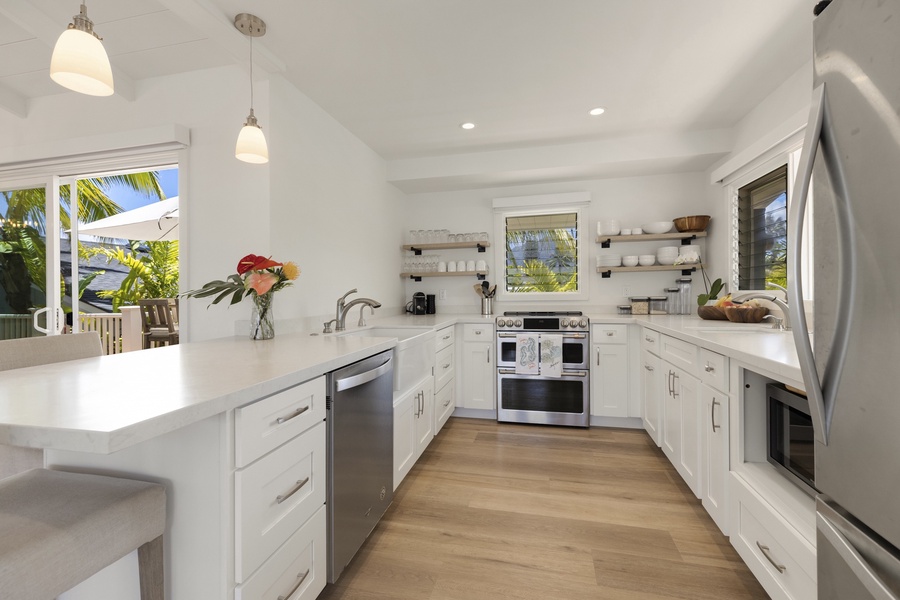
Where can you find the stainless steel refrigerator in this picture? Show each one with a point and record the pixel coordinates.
(851, 365)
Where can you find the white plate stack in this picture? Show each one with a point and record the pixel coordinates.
(667, 255)
(609, 260)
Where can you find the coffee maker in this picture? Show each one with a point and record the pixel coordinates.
(418, 306)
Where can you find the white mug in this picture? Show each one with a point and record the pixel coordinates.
(460, 265)
(442, 267)
(481, 265)
(470, 265)
(451, 267)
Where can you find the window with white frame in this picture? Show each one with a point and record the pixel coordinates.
(542, 256)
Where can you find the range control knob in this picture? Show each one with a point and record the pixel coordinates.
(501, 323)
(565, 323)
(518, 322)
(583, 323)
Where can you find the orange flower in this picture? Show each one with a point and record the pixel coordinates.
(252, 262)
(290, 271)
(261, 282)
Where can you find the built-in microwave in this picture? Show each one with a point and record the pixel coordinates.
(790, 440)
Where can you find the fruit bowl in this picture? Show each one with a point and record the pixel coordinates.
(736, 314)
(711, 313)
(692, 223)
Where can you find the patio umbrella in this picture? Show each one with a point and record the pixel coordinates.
(155, 222)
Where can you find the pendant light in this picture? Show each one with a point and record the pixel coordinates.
(79, 61)
(251, 143)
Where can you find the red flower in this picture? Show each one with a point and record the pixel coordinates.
(252, 262)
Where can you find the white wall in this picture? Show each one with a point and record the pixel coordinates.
(332, 211)
(633, 201)
(322, 201)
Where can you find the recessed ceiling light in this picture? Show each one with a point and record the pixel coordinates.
(468, 125)
(596, 112)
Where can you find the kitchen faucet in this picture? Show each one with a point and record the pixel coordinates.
(340, 313)
(785, 323)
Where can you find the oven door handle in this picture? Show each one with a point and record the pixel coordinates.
(564, 373)
(568, 336)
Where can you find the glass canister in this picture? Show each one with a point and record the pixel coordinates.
(640, 305)
(624, 309)
(658, 305)
(684, 295)
(672, 301)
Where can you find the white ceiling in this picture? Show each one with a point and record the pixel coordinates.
(403, 74)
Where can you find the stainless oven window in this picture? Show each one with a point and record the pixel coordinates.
(791, 444)
(543, 395)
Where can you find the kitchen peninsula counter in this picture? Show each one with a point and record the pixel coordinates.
(106, 404)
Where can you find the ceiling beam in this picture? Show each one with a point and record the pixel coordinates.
(13, 102)
(219, 28)
(24, 14)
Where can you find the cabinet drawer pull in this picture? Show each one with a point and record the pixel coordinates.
(446, 366)
(709, 369)
(648, 367)
(302, 577)
(447, 337)
(477, 332)
(610, 333)
(447, 403)
(297, 486)
(712, 415)
(296, 413)
(765, 551)
(649, 339)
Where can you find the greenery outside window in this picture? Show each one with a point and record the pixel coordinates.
(762, 232)
(542, 256)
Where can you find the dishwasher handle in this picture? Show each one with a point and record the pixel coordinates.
(365, 377)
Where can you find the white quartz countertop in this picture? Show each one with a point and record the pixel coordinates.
(105, 404)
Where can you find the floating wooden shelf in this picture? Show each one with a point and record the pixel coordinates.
(684, 237)
(686, 269)
(418, 248)
(418, 276)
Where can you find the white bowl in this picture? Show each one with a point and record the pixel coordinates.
(647, 260)
(667, 250)
(630, 261)
(608, 227)
(667, 260)
(658, 227)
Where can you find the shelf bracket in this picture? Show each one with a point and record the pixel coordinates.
(480, 276)
(480, 247)
(605, 244)
(686, 272)
(416, 251)
(415, 278)
(687, 241)
(606, 274)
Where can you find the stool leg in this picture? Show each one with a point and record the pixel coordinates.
(150, 565)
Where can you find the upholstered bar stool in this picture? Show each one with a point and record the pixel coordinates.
(59, 528)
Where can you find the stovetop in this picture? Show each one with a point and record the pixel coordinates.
(540, 313)
(572, 320)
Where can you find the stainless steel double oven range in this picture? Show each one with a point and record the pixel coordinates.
(543, 399)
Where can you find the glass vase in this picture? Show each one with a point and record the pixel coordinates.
(262, 317)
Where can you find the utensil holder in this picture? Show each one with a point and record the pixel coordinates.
(487, 306)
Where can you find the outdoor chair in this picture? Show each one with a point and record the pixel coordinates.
(159, 317)
(30, 352)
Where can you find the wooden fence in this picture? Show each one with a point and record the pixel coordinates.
(119, 332)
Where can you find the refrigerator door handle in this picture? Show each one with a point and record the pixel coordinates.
(821, 397)
(868, 577)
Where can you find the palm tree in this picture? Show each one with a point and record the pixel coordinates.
(22, 248)
(548, 260)
(152, 272)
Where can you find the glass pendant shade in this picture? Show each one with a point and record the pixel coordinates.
(251, 143)
(80, 63)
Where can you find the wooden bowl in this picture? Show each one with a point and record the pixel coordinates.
(692, 223)
(711, 313)
(745, 315)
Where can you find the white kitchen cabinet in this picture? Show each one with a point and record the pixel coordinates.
(715, 462)
(478, 369)
(609, 371)
(413, 426)
(652, 395)
(444, 374)
(681, 424)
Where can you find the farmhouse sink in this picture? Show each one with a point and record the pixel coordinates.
(413, 354)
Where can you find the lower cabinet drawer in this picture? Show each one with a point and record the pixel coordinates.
(297, 571)
(782, 560)
(443, 406)
(276, 495)
(443, 367)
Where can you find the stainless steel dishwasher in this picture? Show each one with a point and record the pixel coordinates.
(360, 417)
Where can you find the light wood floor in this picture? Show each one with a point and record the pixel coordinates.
(501, 512)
